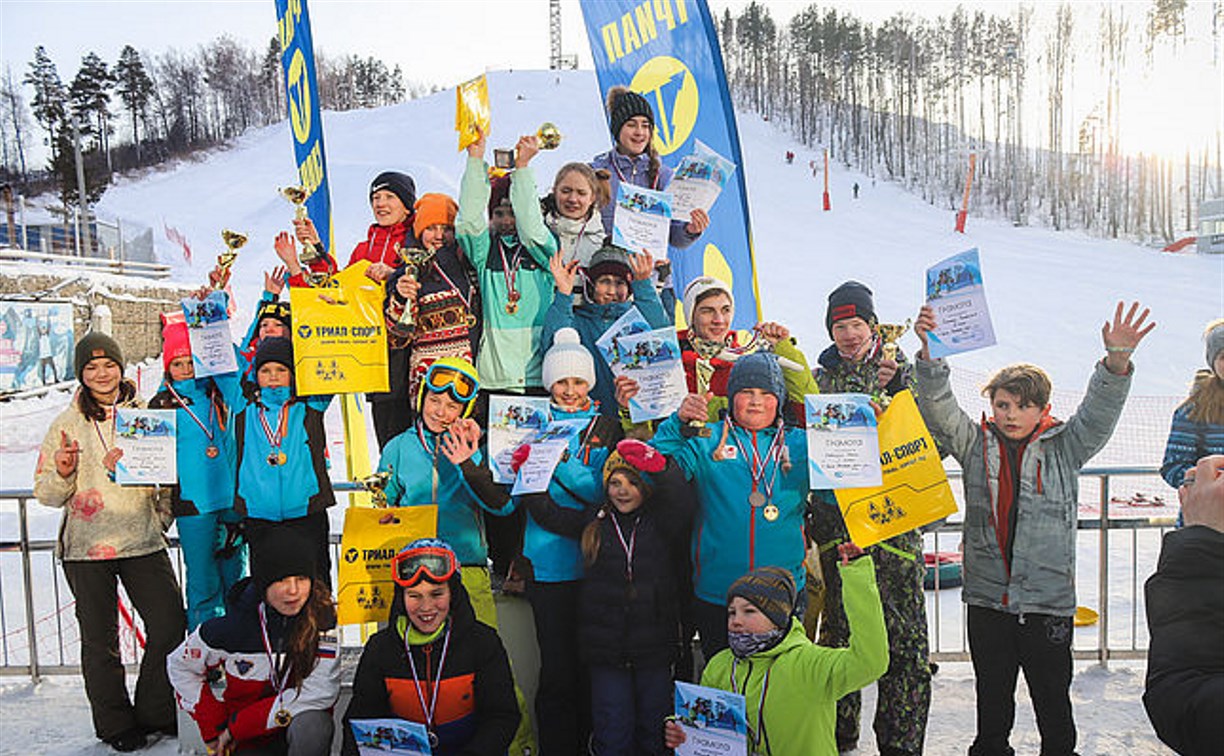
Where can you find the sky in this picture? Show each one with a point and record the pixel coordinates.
(1168, 106)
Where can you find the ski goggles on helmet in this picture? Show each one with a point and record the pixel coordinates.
(435, 563)
(461, 386)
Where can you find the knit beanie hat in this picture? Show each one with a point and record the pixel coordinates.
(758, 370)
(432, 209)
(276, 350)
(399, 184)
(93, 345)
(279, 552)
(624, 104)
(568, 358)
(770, 589)
(609, 260)
(616, 462)
(277, 311)
(850, 300)
(697, 289)
(499, 192)
(175, 343)
(1214, 336)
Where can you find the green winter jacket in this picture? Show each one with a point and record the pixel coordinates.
(510, 355)
(805, 680)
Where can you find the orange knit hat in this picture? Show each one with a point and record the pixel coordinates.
(431, 209)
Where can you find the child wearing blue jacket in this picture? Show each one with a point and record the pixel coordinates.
(561, 709)
(438, 461)
(751, 477)
(610, 279)
(282, 464)
(203, 500)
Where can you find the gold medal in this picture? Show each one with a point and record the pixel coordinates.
(281, 458)
(283, 718)
(771, 512)
(511, 308)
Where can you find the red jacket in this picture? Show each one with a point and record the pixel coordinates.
(379, 246)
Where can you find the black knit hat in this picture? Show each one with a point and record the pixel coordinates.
(770, 589)
(276, 311)
(624, 104)
(276, 350)
(609, 260)
(850, 300)
(399, 184)
(93, 345)
(281, 551)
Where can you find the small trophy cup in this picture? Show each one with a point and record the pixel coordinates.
(234, 241)
(298, 196)
(414, 258)
(550, 139)
(376, 485)
(889, 333)
(703, 372)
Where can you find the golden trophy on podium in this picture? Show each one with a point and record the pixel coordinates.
(376, 485)
(414, 258)
(234, 241)
(889, 333)
(297, 196)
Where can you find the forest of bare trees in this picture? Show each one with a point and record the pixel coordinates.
(910, 99)
(144, 109)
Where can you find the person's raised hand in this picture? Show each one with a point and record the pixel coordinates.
(1123, 335)
(773, 332)
(477, 149)
(642, 265)
(67, 456)
(924, 324)
(695, 407)
(564, 274)
(527, 148)
(274, 280)
(626, 389)
(887, 370)
(673, 734)
(305, 231)
(847, 551)
(699, 221)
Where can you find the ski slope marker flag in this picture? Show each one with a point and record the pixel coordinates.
(667, 51)
(305, 119)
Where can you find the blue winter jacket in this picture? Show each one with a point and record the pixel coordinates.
(635, 170)
(419, 477)
(205, 484)
(298, 487)
(591, 321)
(730, 536)
(577, 484)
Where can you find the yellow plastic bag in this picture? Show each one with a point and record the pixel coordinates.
(915, 490)
(340, 335)
(472, 110)
(371, 538)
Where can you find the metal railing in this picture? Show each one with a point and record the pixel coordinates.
(26, 549)
(101, 264)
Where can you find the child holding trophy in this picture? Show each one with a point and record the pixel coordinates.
(858, 361)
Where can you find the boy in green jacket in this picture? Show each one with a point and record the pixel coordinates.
(791, 686)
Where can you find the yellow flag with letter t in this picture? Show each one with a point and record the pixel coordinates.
(372, 537)
(915, 490)
(340, 335)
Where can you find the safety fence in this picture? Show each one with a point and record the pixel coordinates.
(39, 635)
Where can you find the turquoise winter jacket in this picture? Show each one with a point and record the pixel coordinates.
(205, 484)
(298, 487)
(510, 357)
(421, 477)
(730, 536)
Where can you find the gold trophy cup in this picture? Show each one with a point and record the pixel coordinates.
(889, 333)
(550, 139)
(376, 484)
(703, 373)
(298, 195)
(414, 258)
(234, 241)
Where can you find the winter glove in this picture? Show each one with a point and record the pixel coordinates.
(519, 457)
(642, 456)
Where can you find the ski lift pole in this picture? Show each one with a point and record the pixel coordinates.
(964, 211)
(827, 205)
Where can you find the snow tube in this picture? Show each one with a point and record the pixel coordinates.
(947, 564)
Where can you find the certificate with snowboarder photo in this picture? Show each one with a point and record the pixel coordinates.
(962, 319)
(208, 331)
(698, 181)
(843, 441)
(512, 418)
(652, 358)
(547, 446)
(629, 323)
(147, 438)
(642, 220)
(714, 721)
(390, 737)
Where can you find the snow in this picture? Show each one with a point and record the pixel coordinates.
(1049, 294)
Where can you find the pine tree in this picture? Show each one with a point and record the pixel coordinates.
(90, 97)
(13, 115)
(134, 87)
(49, 103)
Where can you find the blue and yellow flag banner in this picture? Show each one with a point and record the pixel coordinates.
(667, 50)
(305, 121)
